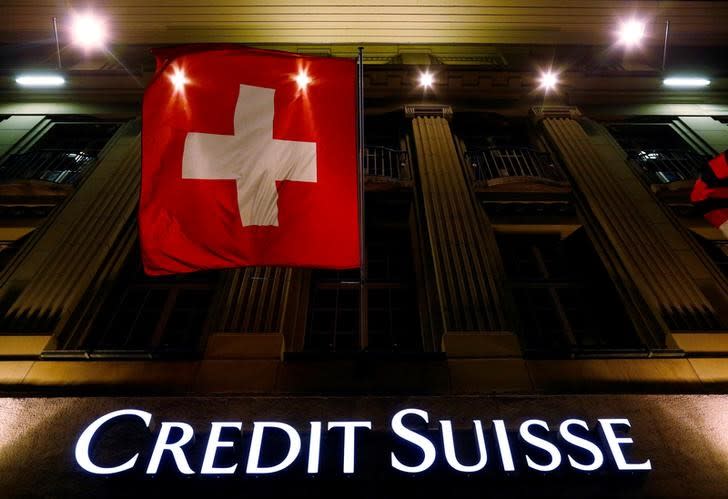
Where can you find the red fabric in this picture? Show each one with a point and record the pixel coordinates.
(703, 192)
(188, 224)
(719, 165)
(716, 218)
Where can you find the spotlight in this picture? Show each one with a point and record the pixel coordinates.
(89, 31)
(179, 79)
(548, 80)
(685, 82)
(631, 32)
(427, 79)
(302, 79)
(45, 80)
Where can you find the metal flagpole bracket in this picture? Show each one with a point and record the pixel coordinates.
(58, 44)
(664, 46)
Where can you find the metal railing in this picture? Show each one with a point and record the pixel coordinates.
(662, 166)
(60, 167)
(494, 163)
(386, 162)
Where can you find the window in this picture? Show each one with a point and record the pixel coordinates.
(144, 315)
(659, 151)
(386, 158)
(501, 151)
(40, 172)
(392, 318)
(62, 152)
(716, 250)
(565, 301)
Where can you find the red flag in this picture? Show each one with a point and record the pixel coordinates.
(710, 193)
(248, 158)
(719, 166)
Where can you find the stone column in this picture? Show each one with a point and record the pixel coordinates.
(468, 270)
(251, 313)
(44, 288)
(669, 291)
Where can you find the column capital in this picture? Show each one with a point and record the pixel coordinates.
(428, 110)
(540, 112)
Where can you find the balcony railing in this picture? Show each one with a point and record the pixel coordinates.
(386, 163)
(662, 166)
(60, 167)
(494, 165)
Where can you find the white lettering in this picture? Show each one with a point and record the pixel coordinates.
(314, 447)
(582, 443)
(214, 443)
(294, 448)
(428, 449)
(576, 444)
(615, 443)
(540, 443)
(349, 434)
(175, 448)
(448, 441)
(84, 443)
(504, 445)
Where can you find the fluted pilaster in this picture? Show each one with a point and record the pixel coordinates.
(643, 248)
(56, 272)
(468, 271)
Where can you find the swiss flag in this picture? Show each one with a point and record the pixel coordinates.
(248, 158)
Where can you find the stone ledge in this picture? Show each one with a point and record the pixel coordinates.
(456, 375)
(481, 344)
(121, 375)
(473, 376)
(713, 372)
(12, 372)
(22, 345)
(237, 376)
(700, 342)
(227, 346)
(613, 375)
(115, 375)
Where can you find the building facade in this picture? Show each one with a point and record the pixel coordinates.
(531, 254)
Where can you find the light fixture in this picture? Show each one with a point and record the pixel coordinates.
(548, 80)
(427, 79)
(631, 32)
(40, 80)
(686, 82)
(302, 79)
(179, 79)
(89, 31)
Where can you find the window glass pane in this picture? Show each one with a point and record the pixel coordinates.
(392, 309)
(565, 301)
(658, 151)
(152, 315)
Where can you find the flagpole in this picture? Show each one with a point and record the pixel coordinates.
(363, 331)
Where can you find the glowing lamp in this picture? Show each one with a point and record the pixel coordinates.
(686, 82)
(47, 80)
(302, 79)
(178, 79)
(427, 79)
(89, 31)
(548, 80)
(631, 32)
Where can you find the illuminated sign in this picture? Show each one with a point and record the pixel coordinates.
(414, 446)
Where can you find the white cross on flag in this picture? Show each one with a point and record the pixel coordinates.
(248, 158)
(251, 157)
